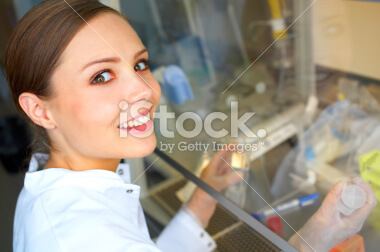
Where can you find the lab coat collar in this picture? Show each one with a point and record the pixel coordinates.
(38, 157)
(54, 177)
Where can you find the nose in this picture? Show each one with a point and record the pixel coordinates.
(138, 89)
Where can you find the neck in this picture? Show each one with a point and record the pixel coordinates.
(80, 163)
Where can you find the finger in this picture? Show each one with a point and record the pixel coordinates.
(224, 169)
(328, 208)
(221, 162)
(229, 179)
(225, 157)
(212, 165)
(360, 182)
(226, 154)
(362, 213)
(217, 158)
(371, 201)
(334, 195)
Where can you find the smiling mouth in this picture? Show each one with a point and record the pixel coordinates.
(138, 123)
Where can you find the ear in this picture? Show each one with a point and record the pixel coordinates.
(37, 110)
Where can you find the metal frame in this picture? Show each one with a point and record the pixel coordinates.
(232, 208)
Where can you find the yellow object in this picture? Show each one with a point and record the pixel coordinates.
(341, 96)
(275, 7)
(239, 160)
(278, 23)
(370, 170)
(374, 218)
(280, 34)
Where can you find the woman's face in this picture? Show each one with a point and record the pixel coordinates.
(93, 99)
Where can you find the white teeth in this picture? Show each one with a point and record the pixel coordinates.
(137, 122)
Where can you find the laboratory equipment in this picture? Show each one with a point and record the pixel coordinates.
(370, 170)
(274, 223)
(353, 243)
(177, 85)
(237, 193)
(329, 146)
(288, 206)
(239, 161)
(250, 240)
(279, 30)
(353, 197)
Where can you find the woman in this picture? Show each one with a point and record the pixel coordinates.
(72, 66)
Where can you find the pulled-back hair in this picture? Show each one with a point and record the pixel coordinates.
(34, 51)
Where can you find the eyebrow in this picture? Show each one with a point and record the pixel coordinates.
(110, 59)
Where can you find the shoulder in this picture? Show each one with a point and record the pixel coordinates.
(90, 214)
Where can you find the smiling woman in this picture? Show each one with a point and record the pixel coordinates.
(47, 29)
(78, 73)
(55, 88)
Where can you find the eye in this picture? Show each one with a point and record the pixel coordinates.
(142, 65)
(103, 77)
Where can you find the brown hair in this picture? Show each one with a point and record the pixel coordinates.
(35, 47)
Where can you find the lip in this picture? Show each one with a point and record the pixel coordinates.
(144, 112)
(134, 131)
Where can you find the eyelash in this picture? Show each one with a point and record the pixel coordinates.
(96, 75)
(146, 61)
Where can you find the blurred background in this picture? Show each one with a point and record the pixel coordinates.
(311, 76)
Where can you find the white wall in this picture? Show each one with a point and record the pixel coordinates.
(346, 36)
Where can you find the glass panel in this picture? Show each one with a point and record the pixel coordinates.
(286, 61)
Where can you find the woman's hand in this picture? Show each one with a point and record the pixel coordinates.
(328, 227)
(219, 175)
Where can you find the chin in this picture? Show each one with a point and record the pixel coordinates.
(142, 147)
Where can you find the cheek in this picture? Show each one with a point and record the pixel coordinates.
(89, 113)
(90, 123)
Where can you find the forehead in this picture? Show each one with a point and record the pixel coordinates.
(100, 37)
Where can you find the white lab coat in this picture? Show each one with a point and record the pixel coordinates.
(95, 210)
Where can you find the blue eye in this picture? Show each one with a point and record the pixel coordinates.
(103, 77)
(142, 65)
